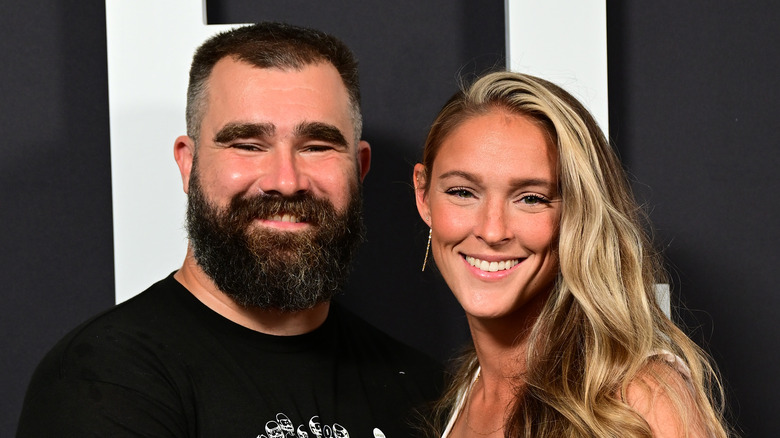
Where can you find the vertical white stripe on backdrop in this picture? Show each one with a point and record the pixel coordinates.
(565, 42)
(150, 46)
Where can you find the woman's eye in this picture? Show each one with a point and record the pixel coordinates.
(534, 200)
(459, 192)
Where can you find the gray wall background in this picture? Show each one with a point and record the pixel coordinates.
(693, 98)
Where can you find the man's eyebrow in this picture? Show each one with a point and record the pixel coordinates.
(321, 131)
(232, 131)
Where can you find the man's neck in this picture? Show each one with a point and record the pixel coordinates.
(272, 322)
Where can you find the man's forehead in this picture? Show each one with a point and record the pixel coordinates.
(240, 92)
(322, 71)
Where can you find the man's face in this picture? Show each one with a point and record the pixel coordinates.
(271, 131)
(274, 200)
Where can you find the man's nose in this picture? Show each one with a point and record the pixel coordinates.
(285, 175)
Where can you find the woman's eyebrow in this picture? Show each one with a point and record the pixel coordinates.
(518, 183)
(524, 183)
(460, 174)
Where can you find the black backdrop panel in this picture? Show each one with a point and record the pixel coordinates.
(694, 99)
(56, 258)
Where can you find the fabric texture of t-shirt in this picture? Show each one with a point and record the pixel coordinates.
(163, 364)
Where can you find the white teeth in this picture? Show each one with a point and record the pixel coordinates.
(484, 265)
(285, 218)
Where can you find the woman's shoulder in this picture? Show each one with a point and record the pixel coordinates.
(663, 394)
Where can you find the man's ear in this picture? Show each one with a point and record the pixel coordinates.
(364, 158)
(420, 181)
(184, 153)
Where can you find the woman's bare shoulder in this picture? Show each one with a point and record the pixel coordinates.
(663, 395)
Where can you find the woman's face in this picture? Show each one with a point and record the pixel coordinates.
(493, 206)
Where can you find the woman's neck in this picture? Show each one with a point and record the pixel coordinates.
(502, 361)
(501, 345)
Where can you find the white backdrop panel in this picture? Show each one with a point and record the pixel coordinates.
(565, 42)
(150, 46)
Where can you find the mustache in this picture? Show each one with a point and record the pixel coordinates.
(304, 206)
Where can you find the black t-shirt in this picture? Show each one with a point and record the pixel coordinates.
(164, 365)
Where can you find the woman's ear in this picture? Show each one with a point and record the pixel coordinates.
(420, 181)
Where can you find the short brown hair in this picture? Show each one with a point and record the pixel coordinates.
(270, 45)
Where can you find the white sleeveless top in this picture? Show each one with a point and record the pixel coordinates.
(670, 357)
(461, 401)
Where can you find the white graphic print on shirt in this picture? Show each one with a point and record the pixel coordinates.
(282, 427)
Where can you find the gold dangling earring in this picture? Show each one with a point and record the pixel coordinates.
(427, 249)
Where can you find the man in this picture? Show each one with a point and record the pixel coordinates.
(243, 340)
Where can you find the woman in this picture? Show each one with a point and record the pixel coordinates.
(535, 231)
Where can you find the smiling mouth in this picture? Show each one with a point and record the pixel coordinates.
(484, 265)
(293, 219)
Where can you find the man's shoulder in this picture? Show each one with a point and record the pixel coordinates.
(143, 310)
(108, 369)
(104, 338)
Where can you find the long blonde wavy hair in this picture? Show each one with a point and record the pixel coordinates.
(601, 327)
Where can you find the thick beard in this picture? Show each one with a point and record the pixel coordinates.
(268, 269)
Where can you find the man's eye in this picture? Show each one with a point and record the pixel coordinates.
(246, 147)
(318, 148)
